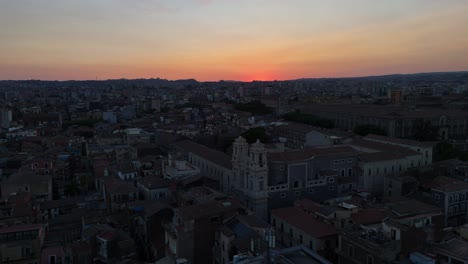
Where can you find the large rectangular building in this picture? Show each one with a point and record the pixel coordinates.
(395, 120)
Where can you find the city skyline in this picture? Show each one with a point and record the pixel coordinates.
(229, 40)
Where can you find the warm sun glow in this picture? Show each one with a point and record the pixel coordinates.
(261, 77)
(232, 40)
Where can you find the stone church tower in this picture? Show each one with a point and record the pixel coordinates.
(250, 172)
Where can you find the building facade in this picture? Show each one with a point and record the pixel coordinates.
(264, 180)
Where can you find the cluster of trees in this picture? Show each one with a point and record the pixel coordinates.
(444, 151)
(425, 131)
(255, 133)
(299, 117)
(254, 107)
(364, 130)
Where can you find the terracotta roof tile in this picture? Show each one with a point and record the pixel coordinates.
(305, 222)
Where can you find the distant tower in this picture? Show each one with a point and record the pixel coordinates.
(241, 91)
(6, 118)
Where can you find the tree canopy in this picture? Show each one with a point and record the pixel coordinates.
(309, 119)
(254, 107)
(444, 151)
(364, 130)
(425, 131)
(255, 133)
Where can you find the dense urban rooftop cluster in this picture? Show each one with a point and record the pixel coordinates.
(356, 170)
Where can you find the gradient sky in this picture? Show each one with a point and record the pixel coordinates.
(230, 39)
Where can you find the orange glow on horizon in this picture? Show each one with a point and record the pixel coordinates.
(248, 41)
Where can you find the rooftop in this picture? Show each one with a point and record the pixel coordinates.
(153, 182)
(398, 141)
(213, 208)
(447, 184)
(117, 186)
(370, 216)
(20, 228)
(309, 153)
(455, 247)
(212, 155)
(413, 207)
(304, 221)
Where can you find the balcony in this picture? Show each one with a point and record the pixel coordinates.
(278, 188)
(322, 182)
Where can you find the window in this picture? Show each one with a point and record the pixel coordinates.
(342, 172)
(290, 232)
(260, 185)
(52, 259)
(296, 184)
(311, 190)
(282, 227)
(283, 195)
(369, 172)
(370, 259)
(350, 251)
(331, 180)
(331, 188)
(274, 222)
(350, 172)
(27, 252)
(300, 238)
(298, 193)
(311, 244)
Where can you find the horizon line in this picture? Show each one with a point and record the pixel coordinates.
(224, 80)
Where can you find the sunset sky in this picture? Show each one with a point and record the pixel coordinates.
(230, 39)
